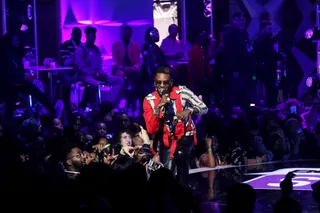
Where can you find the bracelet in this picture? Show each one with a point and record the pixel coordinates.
(209, 149)
(122, 152)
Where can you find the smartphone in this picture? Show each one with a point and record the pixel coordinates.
(293, 110)
(153, 166)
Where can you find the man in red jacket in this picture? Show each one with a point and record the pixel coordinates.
(168, 113)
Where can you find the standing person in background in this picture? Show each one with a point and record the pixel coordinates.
(126, 53)
(67, 50)
(219, 68)
(267, 58)
(174, 52)
(126, 56)
(153, 58)
(199, 67)
(240, 64)
(171, 46)
(153, 55)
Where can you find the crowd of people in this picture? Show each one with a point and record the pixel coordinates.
(91, 160)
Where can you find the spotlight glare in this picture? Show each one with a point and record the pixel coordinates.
(309, 82)
(308, 34)
(24, 27)
(29, 12)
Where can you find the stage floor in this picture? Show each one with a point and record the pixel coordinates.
(264, 178)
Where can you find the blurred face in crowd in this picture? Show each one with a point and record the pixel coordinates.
(57, 125)
(101, 129)
(91, 38)
(75, 159)
(162, 82)
(125, 120)
(173, 30)
(88, 157)
(15, 41)
(125, 139)
(154, 35)
(239, 22)
(76, 35)
(103, 142)
(88, 139)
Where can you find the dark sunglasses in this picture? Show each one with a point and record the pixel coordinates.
(162, 82)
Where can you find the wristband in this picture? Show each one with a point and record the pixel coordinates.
(209, 149)
(122, 152)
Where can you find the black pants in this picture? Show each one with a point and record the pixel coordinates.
(271, 92)
(12, 95)
(180, 162)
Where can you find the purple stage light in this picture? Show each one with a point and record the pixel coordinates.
(107, 17)
(87, 22)
(137, 23)
(308, 34)
(309, 82)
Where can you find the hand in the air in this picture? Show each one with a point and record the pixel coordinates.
(144, 135)
(128, 150)
(208, 142)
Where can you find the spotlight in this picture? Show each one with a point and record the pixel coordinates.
(308, 34)
(208, 8)
(29, 12)
(313, 34)
(309, 82)
(313, 81)
(24, 27)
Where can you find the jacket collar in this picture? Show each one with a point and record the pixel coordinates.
(174, 94)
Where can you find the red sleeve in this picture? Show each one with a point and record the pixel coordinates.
(152, 121)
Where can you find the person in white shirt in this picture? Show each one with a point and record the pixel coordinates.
(171, 46)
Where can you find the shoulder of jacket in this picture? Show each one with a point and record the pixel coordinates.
(181, 88)
(150, 96)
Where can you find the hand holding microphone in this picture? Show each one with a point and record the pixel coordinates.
(164, 99)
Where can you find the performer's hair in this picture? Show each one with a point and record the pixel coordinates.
(164, 70)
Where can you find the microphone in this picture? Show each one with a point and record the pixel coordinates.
(166, 94)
